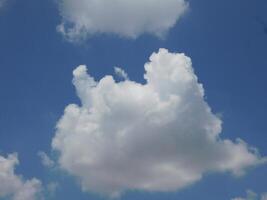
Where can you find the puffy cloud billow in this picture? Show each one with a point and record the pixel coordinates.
(13, 186)
(157, 136)
(126, 18)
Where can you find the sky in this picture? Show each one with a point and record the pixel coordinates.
(190, 124)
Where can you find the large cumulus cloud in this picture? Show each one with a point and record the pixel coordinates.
(13, 186)
(158, 136)
(127, 18)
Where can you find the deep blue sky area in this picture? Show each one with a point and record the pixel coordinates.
(225, 39)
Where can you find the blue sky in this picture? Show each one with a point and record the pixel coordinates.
(226, 41)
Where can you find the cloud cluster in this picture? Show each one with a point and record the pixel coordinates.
(126, 18)
(158, 136)
(14, 186)
(252, 196)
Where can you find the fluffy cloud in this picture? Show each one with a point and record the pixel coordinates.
(158, 136)
(252, 196)
(127, 18)
(13, 186)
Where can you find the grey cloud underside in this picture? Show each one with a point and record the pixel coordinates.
(84, 18)
(158, 136)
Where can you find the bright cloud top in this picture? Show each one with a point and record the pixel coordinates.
(127, 18)
(13, 186)
(158, 136)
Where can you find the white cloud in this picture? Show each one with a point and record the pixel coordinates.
(252, 196)
(14, 186)
(158, 136)
(121, 73)
(46, 161)
(126, 18)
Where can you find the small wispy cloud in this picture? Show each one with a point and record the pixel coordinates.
(46, 160)
(252, 196)
(121, 73)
